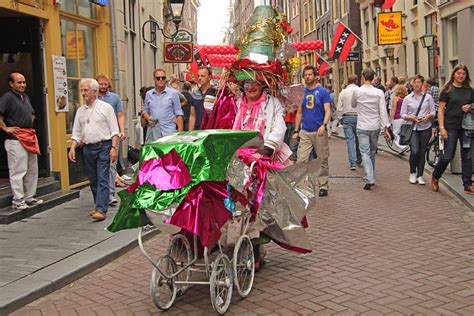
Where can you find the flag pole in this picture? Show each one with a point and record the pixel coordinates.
(363, 44)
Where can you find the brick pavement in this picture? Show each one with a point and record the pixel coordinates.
(399, 249)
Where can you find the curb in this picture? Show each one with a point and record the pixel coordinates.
(60, 274)
(461, 197)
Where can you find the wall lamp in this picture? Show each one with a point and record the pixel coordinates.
(177, 7)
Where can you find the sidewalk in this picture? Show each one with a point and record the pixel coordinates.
(44, 252)
(450, 181)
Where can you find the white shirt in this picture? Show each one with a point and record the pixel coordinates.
(344, 102)
(95, 124)
(371, 110)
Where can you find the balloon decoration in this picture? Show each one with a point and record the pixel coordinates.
(310, 45)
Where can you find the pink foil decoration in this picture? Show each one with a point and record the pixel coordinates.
(223, 113)
(166, 173)
(202, 211)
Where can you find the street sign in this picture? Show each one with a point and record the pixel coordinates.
(176, 52)
(60, 83)
(353, 56)
(103, 3)
(389, 28)
(183, 36)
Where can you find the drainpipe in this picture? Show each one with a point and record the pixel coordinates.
(114, 48)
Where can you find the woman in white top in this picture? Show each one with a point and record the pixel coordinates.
(422, 129)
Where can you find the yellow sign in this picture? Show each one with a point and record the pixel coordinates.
(389, 28)
(75, 45)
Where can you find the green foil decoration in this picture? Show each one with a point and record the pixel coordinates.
(206, 153)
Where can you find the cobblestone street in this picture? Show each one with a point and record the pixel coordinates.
(398, 249)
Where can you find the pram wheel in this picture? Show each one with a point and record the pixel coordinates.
(243, 265)
(221, 283)
(162, 287)
(180, 250)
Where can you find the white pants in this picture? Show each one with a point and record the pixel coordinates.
(397, 124)
(23, 169)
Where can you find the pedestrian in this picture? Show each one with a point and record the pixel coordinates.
(334, 121)
(389, 93)
(143, 123)
(96, 128)
(114, 100)
(162, 112)
(186, 91)
(399, 95)
(369, 102)
(290, 118)
(313, 116)
(17, 120)
(377, 82)
(348, 116)
(419, 108)
(433, 90)
(455, 100)
(202, 100)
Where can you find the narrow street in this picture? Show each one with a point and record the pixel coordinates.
(398, 249)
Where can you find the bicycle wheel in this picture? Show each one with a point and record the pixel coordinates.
(180, 250)
(433, 152)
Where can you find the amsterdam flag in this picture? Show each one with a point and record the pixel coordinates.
(321, 65)
(384, 4)
(342, 42)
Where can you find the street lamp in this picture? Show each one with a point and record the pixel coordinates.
(427, 41)
(390, 53)
(177, 7)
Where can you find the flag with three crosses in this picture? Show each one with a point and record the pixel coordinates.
(321, 65)
(342, 42)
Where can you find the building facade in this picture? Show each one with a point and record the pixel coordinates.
(39, 30)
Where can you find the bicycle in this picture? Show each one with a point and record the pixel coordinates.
(435, 148)
(395, 148)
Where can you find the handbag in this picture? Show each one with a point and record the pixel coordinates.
(406, 130)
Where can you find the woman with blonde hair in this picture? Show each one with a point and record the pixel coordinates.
(399, 94)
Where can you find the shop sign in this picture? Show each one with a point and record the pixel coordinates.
(183, 36)
(353, 56)
(103, 3)
(177, 52)
(389, 28)
(75, 45)
(60, 83)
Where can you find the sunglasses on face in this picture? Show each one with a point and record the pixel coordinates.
(160, 78)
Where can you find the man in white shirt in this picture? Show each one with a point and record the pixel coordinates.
(371, 116)
(95, 127)
(348, 116)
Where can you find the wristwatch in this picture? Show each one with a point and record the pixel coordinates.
(296, 131)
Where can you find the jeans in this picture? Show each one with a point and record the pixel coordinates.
(368, 147)
(290, 127)
(97, 161)
(418, 146)
(349, 123)
(449, 149)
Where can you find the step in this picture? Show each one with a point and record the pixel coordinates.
(45, 186)
(9, 215)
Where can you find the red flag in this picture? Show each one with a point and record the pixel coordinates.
(342, 42)
(388, 4)
(321, 65)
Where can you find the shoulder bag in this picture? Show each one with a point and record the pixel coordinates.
(406, 130)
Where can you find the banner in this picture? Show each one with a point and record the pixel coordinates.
(60, 83)
(342, 42)
(389, 28)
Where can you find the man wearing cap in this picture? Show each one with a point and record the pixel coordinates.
(313, 116)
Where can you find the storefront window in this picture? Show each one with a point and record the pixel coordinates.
(78, 47)
(81, 7)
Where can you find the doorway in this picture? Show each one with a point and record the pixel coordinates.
(21, 51)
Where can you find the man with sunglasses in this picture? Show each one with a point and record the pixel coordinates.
(162, 112)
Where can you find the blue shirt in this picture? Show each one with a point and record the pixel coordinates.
(313, 108)
(164, 107)
(114, 100)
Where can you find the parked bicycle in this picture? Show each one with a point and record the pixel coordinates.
(396, 149)
(435, 147)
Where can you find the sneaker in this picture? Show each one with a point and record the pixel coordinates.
(20, 206)
(353, 167)
(368, 186)
(113, 202)
(420, 180)
(126, 178)
(412, 178)
(34, 202)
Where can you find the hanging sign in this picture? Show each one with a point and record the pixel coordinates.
(103, 3)
(183, 36)
(60, 83)
(389, 28)
(353, 56)
(176, 52)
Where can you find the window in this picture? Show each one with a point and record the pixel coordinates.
(78, 47)
(416, 57)
(81, 7)
(343, 8)
(366, 23)
(323, 31)
(312, 16)
(306, 21)
(319, 8)
(453, 31)
(328, 34)
(374, 21)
